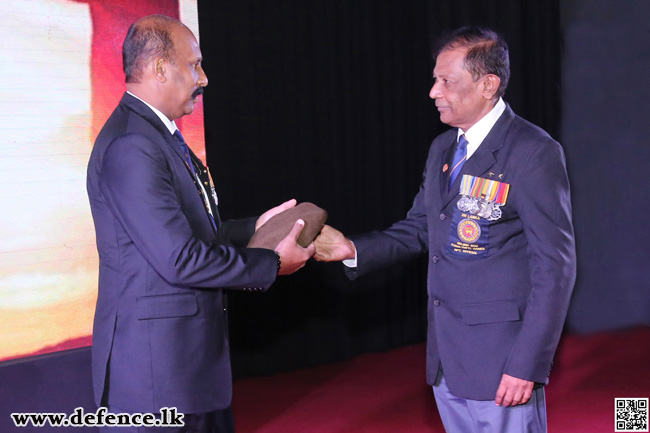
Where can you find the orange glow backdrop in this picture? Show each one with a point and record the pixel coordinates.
(61, 74)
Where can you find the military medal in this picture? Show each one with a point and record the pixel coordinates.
(212, 188)
(482, 197)
(468, 204)
(485, 210)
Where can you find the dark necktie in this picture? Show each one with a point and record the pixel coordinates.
(186, 154)
(184, 149)
(459, 159)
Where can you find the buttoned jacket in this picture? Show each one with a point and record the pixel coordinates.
(499, 305)
(160, 328)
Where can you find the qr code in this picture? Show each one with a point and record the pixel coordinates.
(631, 414)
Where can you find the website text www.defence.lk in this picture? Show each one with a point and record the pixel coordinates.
(167, 417)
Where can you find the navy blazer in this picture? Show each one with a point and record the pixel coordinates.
(160, 329)
(502, 310)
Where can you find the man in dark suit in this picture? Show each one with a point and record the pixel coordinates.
(494, 215)
(160, 331)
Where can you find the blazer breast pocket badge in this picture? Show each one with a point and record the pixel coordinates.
(480, 203)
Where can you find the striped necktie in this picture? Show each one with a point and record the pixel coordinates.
(459, 159)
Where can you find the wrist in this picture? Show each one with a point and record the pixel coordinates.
(353, 249)
(278, 261)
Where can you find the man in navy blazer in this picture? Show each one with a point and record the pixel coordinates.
(160, 330)
(493, 214)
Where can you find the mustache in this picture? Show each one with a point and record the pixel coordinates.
(197, 92)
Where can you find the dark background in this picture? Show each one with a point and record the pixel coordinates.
(327, 101)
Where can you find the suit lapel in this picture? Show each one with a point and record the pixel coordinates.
(447, 157)
(145, 112)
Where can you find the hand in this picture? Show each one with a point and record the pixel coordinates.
(292, 255)
(513, 391)
(332, 246)
(273, 212)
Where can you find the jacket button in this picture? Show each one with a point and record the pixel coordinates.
(435, 259)
(436, 303)
(443, 217)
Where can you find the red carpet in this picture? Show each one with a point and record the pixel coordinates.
(386, 392)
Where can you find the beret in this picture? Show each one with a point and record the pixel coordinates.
(278, 227)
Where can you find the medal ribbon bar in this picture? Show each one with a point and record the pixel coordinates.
(484, 189)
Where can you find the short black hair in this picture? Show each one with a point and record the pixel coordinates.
(147, 38)
(487, 53)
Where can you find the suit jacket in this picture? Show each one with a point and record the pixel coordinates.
(500, 309)
(160, 329)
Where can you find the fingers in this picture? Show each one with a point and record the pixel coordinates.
(329, 235)
(292, 255)
(274, 211)
(331, 245)
(288, 204)
(327, 229)
(513, 391)
(501, 393)
(297, 229)
(527, 395)
(507, 398)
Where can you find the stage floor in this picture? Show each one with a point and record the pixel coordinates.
(387, 393)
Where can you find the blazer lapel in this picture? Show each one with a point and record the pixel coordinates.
(446, 160)
(145, 112)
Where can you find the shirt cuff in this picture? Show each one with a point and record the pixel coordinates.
(351, 263)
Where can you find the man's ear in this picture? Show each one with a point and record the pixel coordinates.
(490, 85)
(159, 69)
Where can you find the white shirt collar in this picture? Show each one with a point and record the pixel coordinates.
(170, 124)
(477, 133)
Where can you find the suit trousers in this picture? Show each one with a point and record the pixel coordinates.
(460, 415)
(216, 421)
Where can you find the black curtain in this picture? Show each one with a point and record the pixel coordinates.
(327, 101)
(605, 130)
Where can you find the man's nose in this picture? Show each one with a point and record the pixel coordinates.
(203, 79)
(434, 93)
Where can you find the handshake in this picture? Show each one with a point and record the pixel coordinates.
(297, 233)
